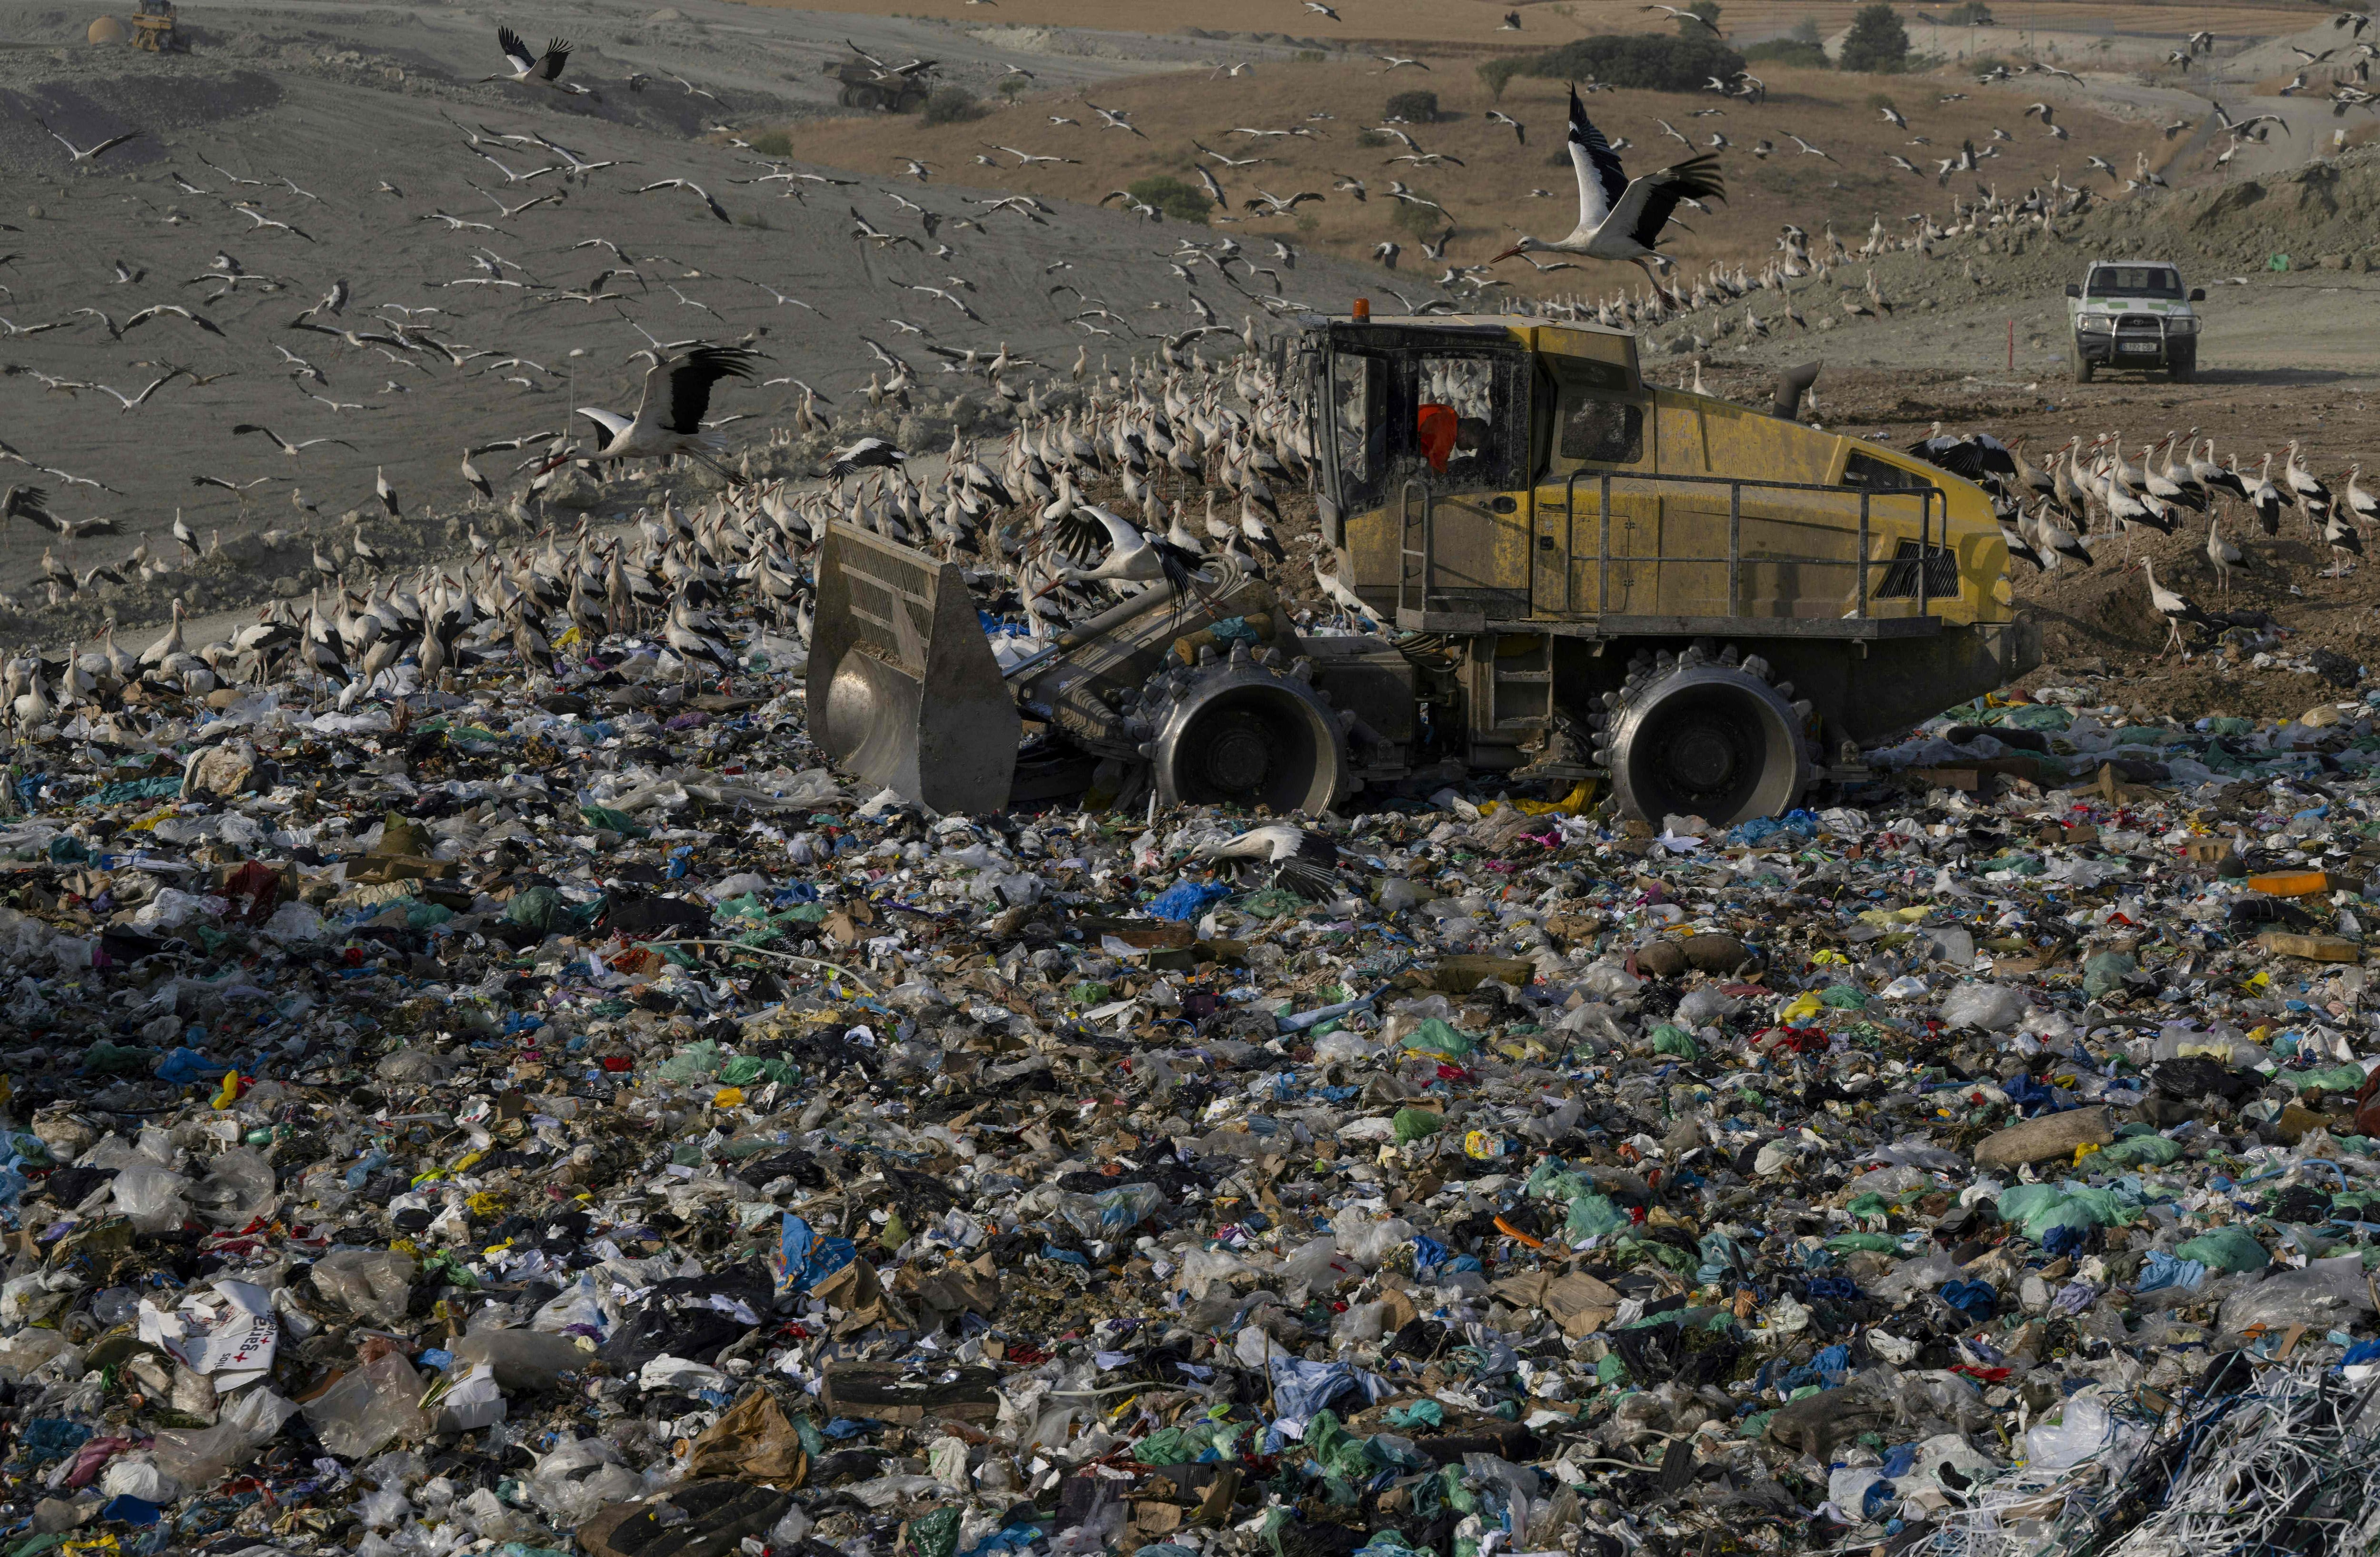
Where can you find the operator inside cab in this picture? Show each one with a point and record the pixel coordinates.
(1454, 444)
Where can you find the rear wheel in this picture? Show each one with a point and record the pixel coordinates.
(1708, 735)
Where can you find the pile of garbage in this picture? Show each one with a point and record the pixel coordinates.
(569, 1119)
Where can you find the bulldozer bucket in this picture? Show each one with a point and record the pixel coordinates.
(904, 690)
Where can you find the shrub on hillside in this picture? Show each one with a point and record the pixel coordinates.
(774, 143)
(1413, 107)
(1646, 61)
(1788, 50)
(1496, 74)
(952, 105)
(1421, 221)
(1183, 203)
(1877, 42)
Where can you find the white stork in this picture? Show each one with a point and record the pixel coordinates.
(1620, 218)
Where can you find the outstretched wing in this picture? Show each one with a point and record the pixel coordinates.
(1645, 208)
(678, 394)
(1601, 180)
(514, 50)
(557, 54)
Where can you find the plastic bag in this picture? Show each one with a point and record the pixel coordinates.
(369, 1407)
(2085, 1431)
(236, 1191)
(1992, 1007)
(473, 1403)
(522, 1359)
(197, 1459)
(369, 1284)
(1368, 1242)
(152, 1196)
(2324, 1294)
(576, 1481)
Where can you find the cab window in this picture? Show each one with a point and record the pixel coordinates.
(1469, 423)
(1602, 431)
(1877, 475)
(1599, 421)
(2136, 281)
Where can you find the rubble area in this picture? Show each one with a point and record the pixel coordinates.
(558, 1115)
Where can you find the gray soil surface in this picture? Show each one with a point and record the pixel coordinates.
(336, 99)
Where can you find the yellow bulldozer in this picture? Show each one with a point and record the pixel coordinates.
(1580, 574)
(152, 26)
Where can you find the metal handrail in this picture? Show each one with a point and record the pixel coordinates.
(1406, 551)
(1925, 495)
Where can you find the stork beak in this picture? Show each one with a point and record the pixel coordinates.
(1505, 255)
(555, 463)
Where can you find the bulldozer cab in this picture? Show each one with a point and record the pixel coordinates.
(1520, 470)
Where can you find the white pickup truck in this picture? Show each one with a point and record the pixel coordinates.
(2134, 314)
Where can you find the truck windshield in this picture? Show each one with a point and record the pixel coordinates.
(2136, 281)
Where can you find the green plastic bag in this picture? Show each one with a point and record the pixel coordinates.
(540, 907)
(1413, 1124)
(1675, 1041)
(1435, 1036)
(695, 1061)
(2228, 1249)
(935, 1534)
(1854, 1243)
(1592, 1216)
(2337, 1078)
(2134, 1151)
(614, 821)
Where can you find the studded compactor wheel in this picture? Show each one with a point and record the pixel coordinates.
(1705, 733)
(1243, 729)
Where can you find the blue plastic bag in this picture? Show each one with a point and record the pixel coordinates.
(1184, 901)
(180, 1067)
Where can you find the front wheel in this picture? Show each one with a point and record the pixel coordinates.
(2184, 369)
(1708, 735)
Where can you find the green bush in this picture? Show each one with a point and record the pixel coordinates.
(1877, 42)
(774, 143)
(1806, 32)
(1413, 107)
(952, 105)
(1308, 56)
(1183, 203)
(1421, 221)
(1968, 13)
(1011, 85)
(1646, 61)
(1707, 10)
(1788, 50)
(1496, 74)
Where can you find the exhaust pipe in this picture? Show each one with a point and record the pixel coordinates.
(1791, 384)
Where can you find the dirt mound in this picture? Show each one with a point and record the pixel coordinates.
(2322, 208)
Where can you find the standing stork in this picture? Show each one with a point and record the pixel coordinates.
(2175, 609)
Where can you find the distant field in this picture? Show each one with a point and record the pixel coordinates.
(1491, 198)
(1479, 22)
